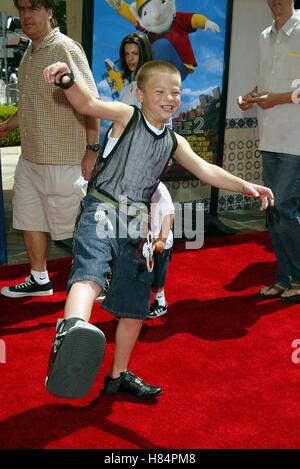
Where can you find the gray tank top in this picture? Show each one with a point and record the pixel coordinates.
(134, 166)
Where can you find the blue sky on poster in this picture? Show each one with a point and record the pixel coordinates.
(208, 47)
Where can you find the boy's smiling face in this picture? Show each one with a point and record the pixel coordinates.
(161, 97)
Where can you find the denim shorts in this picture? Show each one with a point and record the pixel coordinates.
(161, 262)
(105, 240)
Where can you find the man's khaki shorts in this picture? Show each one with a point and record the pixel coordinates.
(47, 197)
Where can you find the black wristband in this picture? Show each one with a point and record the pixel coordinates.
(94, 147)
(65, 85)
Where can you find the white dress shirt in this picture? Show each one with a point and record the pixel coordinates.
(278, 68)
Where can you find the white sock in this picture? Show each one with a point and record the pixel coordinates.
(40, 277)
(160, 297)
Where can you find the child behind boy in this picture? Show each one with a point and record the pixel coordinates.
(162, 218)
(122, 184)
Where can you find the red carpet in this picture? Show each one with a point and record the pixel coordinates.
(222, 356)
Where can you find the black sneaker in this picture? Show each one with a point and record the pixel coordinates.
(76, 356)
(156, 310)
(28, 288)
(128, 383)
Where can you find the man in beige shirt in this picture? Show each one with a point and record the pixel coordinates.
(277, 98)
(58, 145)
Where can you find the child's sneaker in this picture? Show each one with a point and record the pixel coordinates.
(102, 295)
(128, 383)
(28, 288)
(76, 355)
(157, 310)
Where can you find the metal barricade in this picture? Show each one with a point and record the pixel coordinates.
(9, 94)
(12, 94)
(2, 93)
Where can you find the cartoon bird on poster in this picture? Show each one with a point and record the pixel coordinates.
(167, 29)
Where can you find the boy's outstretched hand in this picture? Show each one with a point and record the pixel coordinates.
(53, 72)
(259, 192)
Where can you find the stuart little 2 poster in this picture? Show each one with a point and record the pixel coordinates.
(188, 33)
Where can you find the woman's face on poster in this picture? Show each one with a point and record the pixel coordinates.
(132, 56)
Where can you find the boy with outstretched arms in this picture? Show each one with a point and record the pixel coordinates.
(136, 151)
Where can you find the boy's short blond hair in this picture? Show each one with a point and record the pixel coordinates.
(151, 68)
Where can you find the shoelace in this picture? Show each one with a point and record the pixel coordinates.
(59, 335)
(25, 284)
(105, 289)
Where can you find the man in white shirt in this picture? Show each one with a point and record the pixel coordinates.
(277, 98)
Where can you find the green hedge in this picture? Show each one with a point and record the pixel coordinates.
(13, 138)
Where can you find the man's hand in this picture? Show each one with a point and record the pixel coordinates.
(244, 102)
(9, 125)
(88, 163)
(265, 100)
(259, 192)
(53, 72)
(4, 131)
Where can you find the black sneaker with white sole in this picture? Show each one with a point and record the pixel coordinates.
(157, 310)
(75, 358)
(129, 383)
(28, 288)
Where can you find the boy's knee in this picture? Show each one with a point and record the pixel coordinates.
(86, 285)
(131, 321)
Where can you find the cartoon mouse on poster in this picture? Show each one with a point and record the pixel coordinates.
(167, 30)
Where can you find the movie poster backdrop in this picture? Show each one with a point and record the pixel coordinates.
(204, 54)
